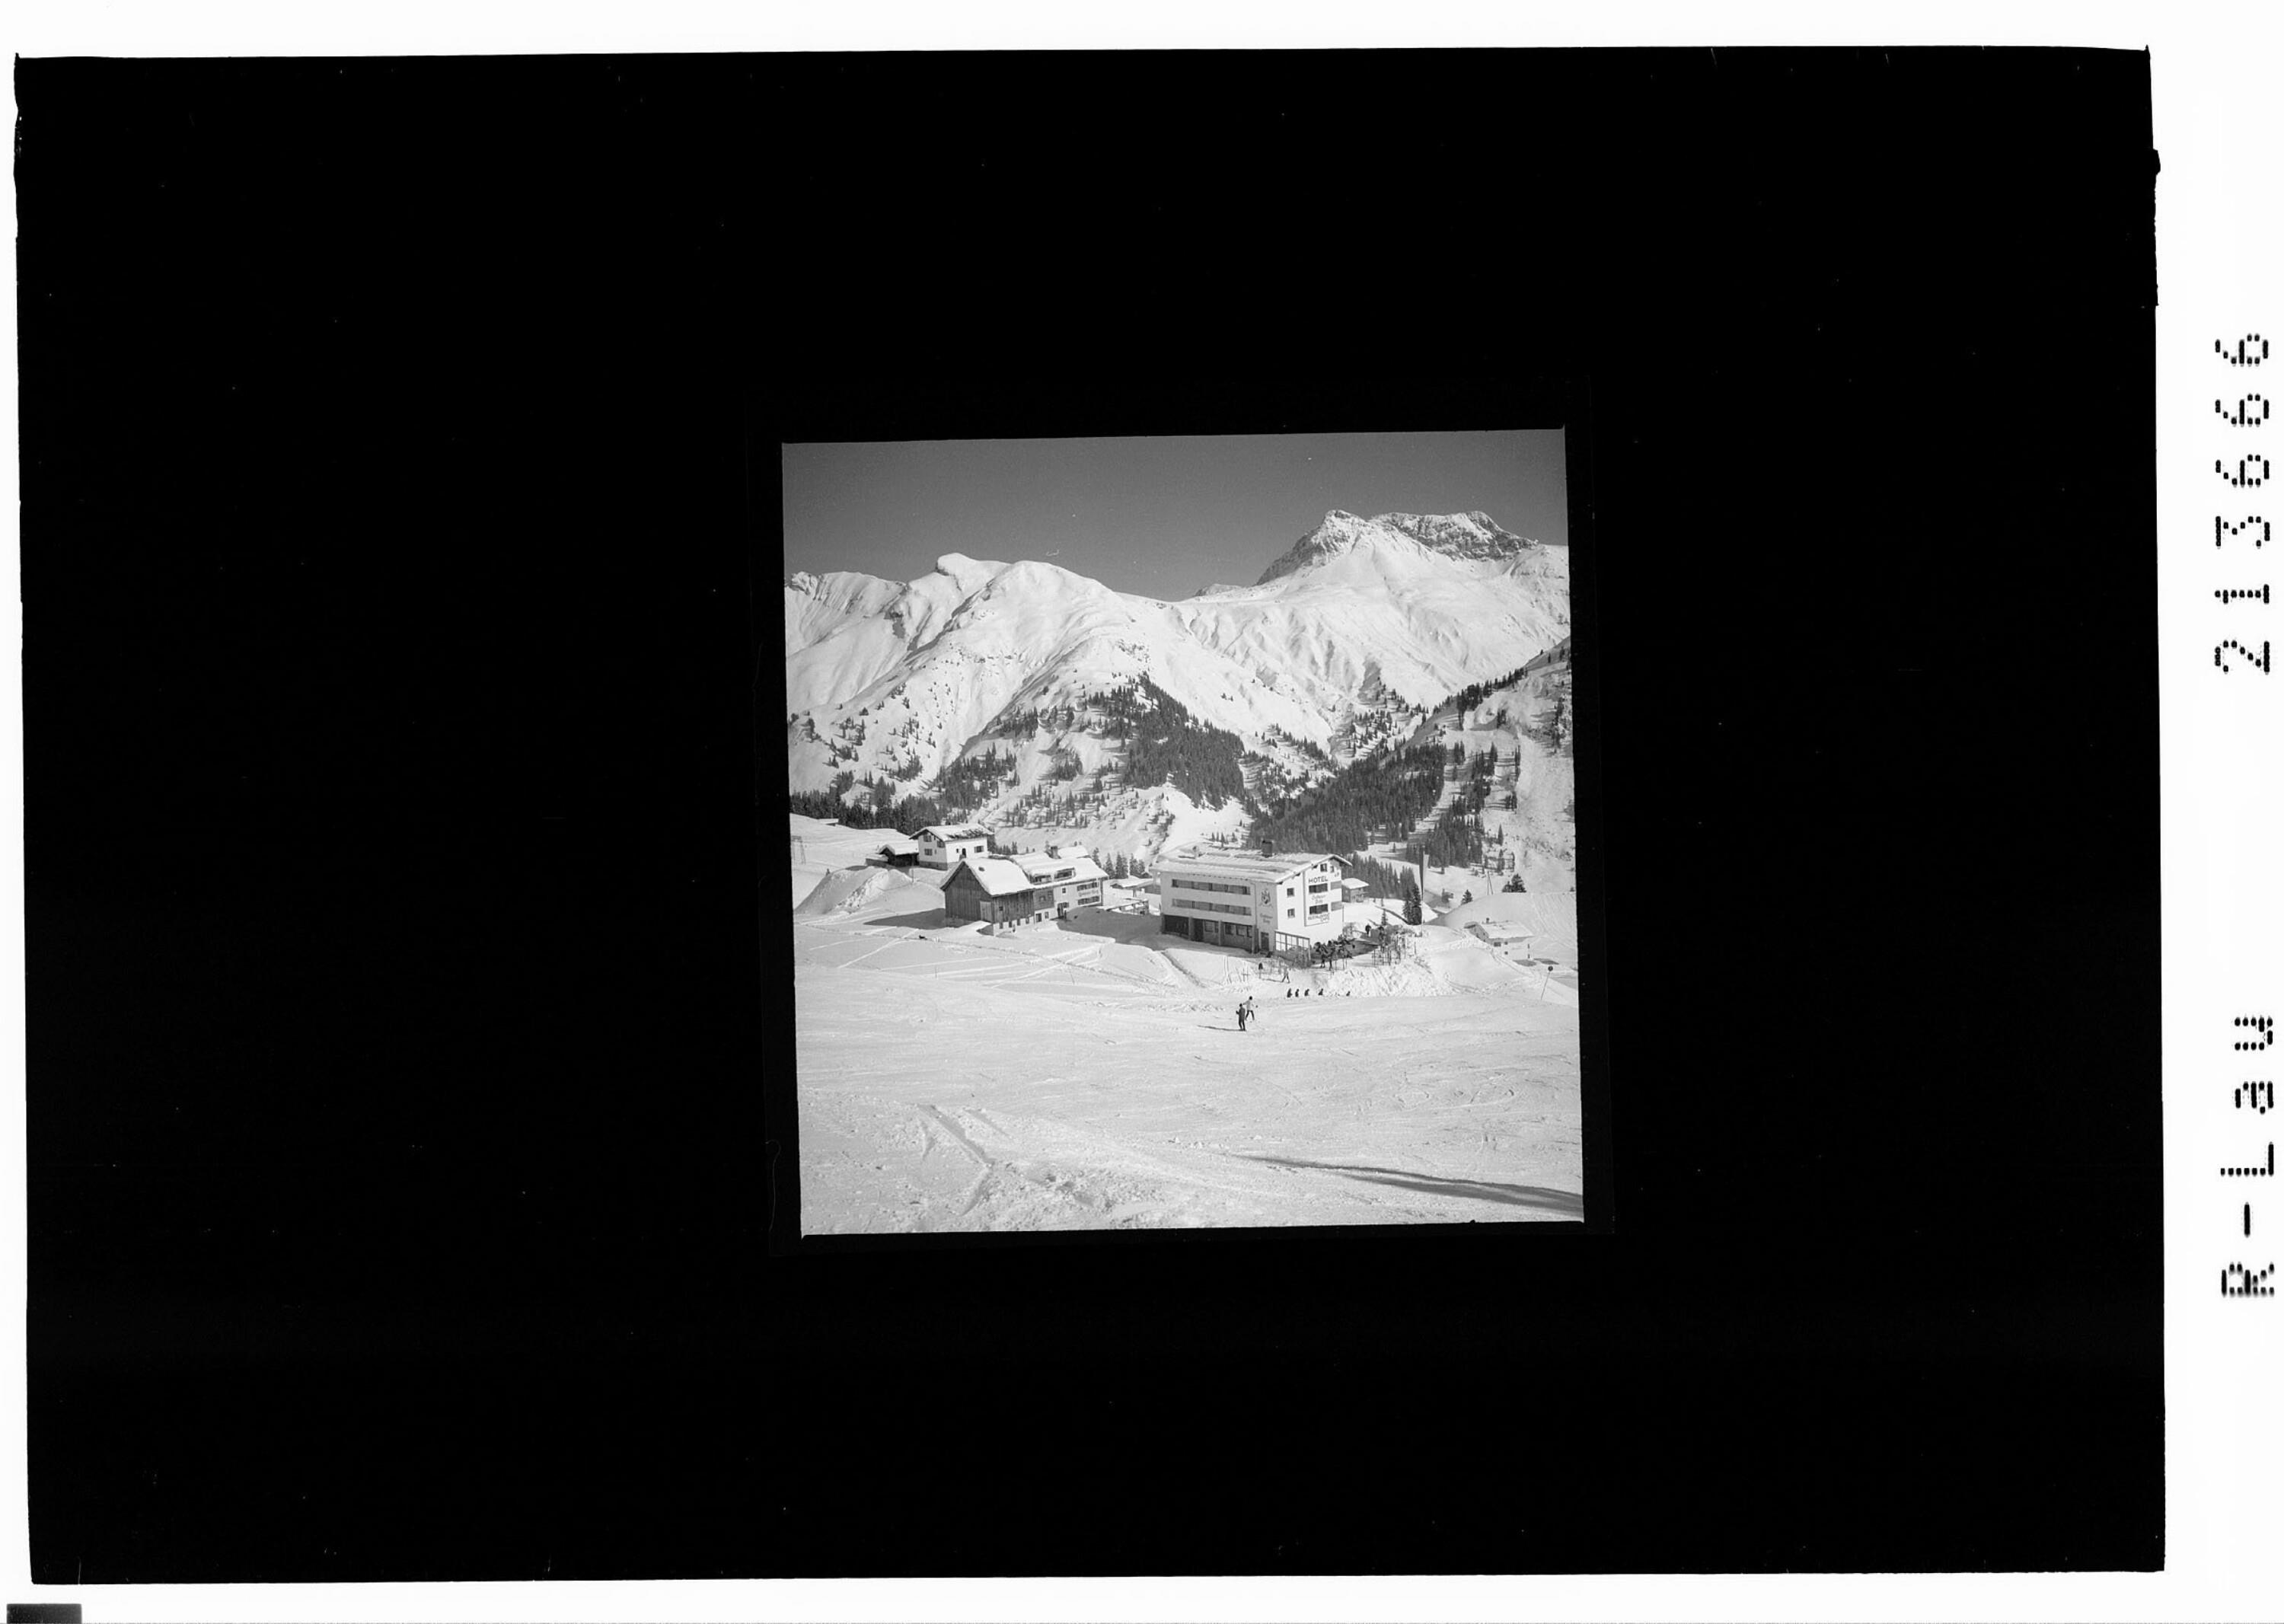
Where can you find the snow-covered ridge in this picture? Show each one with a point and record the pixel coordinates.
(899, 679)
(1471, 535)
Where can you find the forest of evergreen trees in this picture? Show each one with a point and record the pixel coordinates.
(1164, 743)
(1379, 798)
(1471, 695)
(1161, 743)
(1381, 879)
(973, 780)
(870, 811)
(1454, 841)
(1309, 747)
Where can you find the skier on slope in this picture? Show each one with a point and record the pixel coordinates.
(1241, 1018)
(1246, 1013)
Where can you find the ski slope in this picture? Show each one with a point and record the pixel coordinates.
(1089, 1074)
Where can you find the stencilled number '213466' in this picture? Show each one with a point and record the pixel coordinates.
(2249, 470)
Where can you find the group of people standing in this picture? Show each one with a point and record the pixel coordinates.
(1246, 1013)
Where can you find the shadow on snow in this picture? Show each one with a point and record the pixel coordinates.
(1511, 1195)
(926, 919)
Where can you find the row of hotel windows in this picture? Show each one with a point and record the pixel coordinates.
(1316, 887)
(1315, 910)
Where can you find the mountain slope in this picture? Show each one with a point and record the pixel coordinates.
(1361, 621)
(1427, 605)
(1470, 537)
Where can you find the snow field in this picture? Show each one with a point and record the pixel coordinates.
(1089, 1073)
(818, 850)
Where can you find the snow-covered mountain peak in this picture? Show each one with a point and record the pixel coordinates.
(1338, 528)
(1337, 533)
(1471, 535)
(968, 574)
(1046, 596)
(1038, 575)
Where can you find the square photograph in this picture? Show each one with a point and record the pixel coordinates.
(1183, 832)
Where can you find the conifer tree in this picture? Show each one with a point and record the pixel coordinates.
(1411, 900)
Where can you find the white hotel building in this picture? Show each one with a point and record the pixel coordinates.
(1244, 900)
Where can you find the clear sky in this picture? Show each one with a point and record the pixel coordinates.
(1162, 517)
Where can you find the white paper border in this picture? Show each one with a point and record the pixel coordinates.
(2219, 121)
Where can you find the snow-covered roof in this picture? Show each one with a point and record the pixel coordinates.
(899, 843)
(1244, 865)
(1355, 885)
(1044, 869)
(956, 832)
(997, 876)
(1006, 876)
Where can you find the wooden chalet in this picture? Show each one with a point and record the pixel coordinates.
(1020, 890)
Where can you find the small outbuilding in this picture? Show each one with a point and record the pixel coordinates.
(1511, 940)
(1132, 895)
